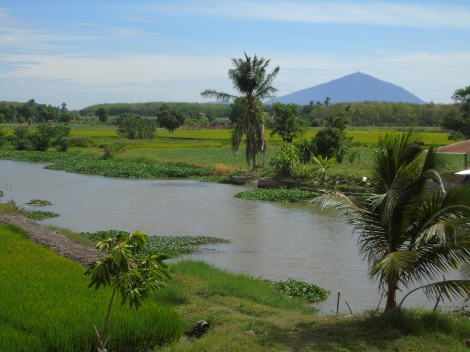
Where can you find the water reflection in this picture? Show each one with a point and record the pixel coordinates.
(275, 241)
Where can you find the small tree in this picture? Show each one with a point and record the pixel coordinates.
(169, 118)
(20, 138)
(286, 122)
(102, 114)
(132, 126)
(324, 164)
(133, 275)
(286, 161)
(332, 141)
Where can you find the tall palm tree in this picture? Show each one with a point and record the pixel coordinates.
(250, 78)
(409, 234)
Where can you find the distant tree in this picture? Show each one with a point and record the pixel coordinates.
(459, 123)
(332, 141)
(28, 111)
(8, 111)
(286, 122)
(327, 101)
(132, 126)
(237, 110)
(41, 140)
(2, 118)
(170, 118)
(250, 78)
(2, 137)
(66, 117)
(102, 114)
(20, 138)
(64, 107)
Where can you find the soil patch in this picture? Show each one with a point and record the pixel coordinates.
(60, 244)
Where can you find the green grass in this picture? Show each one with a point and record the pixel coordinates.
(247, 314)
(45, 305)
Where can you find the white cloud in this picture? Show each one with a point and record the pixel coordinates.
(82, 81)
(403, 14)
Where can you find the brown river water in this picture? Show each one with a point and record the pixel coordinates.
(274, 241)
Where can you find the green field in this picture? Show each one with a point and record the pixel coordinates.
(45, 305)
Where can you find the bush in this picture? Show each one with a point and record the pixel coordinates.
(286, 161)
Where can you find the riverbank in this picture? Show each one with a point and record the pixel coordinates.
(246, 314)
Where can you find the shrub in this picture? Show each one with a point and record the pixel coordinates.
(286, 161)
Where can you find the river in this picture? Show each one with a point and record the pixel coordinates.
(274, 241)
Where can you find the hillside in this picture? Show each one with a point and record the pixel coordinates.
(357, 87)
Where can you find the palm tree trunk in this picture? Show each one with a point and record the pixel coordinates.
(391, 296)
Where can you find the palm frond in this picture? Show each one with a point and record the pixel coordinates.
(210, 93)
(393, 266)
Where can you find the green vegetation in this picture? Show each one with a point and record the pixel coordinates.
(171, 245)
(293, 195)
(302, 290)
(247, 314)
(169, 118)
(132, 126)
(41, 215)
(39, 202)
(459, 123)
(250, 78)
(134, 275)
(286, 122)
(45, 305)
(407, 233)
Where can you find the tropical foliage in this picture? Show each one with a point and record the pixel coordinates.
(286, 122)
(250, 78)
(459, 123)
(409, 234)
(302, 290)
(332, 140)
(132, 126)
(132, 275)
(292, 195)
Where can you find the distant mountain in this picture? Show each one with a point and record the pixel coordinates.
(357, 87)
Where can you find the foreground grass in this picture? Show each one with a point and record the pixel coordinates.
(245, 314)
(45, 305)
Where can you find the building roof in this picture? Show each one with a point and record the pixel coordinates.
(456, 148)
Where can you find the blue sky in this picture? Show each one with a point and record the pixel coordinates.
(88, 52)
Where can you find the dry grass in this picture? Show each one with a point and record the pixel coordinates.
(222, 169)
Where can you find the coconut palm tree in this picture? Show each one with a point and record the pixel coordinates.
(249, 77)
(409, 234)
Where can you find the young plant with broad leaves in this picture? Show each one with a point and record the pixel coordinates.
(133, 275)
(409, 233)
(250, 78)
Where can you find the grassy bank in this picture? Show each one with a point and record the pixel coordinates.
(245, 314)
(45, 305)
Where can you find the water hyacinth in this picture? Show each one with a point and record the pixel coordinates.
(89, 164)
(171, 245)
(41, 215)
(302, 290)
(293, 195)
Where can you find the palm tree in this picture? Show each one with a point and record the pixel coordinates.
(249, 77)
(408, 233)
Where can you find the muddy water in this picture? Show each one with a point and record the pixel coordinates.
(274, 241)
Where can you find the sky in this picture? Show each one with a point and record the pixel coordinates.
(91, 52)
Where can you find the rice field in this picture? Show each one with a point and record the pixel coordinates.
(45, 305)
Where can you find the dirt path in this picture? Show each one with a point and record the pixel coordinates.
(58, 243)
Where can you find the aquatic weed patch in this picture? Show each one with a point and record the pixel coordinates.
(302, 290)
(41, 215)
(293, 195)
(39, 202)
(90, 164)
(171, 245)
